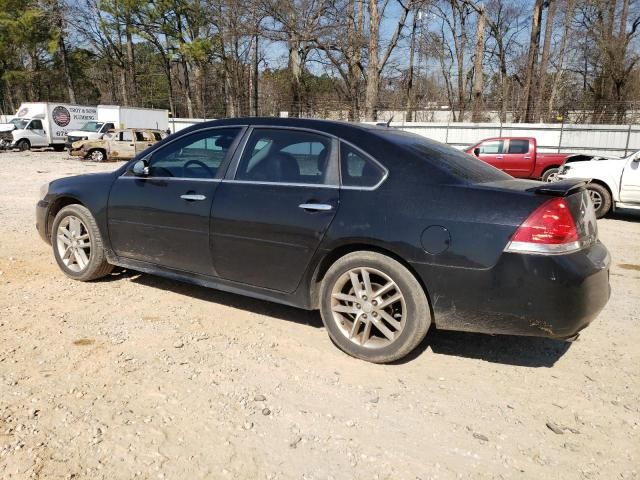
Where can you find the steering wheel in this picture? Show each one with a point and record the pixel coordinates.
(199, 164)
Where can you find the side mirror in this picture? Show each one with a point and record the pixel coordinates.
(141, 168)
(476, 151)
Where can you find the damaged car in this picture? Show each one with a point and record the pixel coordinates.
(117, 145)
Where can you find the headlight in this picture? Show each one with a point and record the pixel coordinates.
(44, 189)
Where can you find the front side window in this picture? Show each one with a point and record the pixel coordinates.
(194, 156)
(491, 147)
(35, 125)
(518, 146)
(126, 136)
(357, 169)
(285, 156)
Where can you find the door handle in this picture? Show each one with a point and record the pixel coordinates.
(527, 158)
(499, 157)
(192, 197)
(320, 207)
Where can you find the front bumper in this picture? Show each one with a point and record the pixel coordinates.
(552, 296)
(42, 217)
(77, 153)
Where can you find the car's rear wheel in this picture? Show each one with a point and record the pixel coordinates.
(601, 199)
(373, 307)
(77, 244)
(97, 155)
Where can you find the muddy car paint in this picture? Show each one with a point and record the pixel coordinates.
(115, 148)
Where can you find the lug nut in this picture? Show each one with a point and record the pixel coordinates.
(364, 297)
(364, 315)
(374, 314)
(374, 303)
(358, 306)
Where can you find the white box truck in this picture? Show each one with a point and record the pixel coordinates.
(113, 116)
(44, 124)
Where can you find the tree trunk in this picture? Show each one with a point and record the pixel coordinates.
(412, 50)
(477, 68)
(544, 62)
(131, 67)
(295, 70)
(62, 51)
(532, 60)
(373, 78)
(256, 77)
(187, 88)
(124, 88)
(561, 54)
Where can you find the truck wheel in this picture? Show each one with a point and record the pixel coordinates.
(97, 155)
(550, 175)
(58, 147)
(23, 145)
(601, 199)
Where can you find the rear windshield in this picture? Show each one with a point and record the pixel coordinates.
(454, 162)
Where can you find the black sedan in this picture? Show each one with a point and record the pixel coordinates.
(385, 232)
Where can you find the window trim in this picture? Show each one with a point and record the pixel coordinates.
(232, 171)
(367, 156)
(222, 169)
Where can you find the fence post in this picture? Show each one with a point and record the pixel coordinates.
(561, 132)
(446, 134)
(626, 147)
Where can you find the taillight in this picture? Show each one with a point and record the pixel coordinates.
(549, 229)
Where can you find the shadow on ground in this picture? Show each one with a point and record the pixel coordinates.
(505, 349)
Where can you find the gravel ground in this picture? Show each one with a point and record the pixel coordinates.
(140, 377)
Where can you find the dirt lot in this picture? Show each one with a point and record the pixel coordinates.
(141, 377)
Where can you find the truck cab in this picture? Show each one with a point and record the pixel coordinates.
(90, 131)
(519, 157)
(26, 133)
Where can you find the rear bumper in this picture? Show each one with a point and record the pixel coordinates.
(42, 212)
(552, 296)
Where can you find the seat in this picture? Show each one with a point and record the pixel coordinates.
(277, 167)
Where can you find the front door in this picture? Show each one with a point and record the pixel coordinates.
(491, 151)
(36, 134)
(163, 218)
(269, 218)
(630, 183)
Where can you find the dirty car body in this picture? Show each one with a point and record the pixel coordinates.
(465, 231)
(122, 144)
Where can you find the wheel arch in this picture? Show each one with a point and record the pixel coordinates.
(340, 251)
(606, 185)
(57, 205)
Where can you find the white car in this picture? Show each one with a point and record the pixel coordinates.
(615, 182)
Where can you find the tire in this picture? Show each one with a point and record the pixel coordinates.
(93, 264)
(410, 316)
(58, 147)
(97, 155)
(550, 175)
(23, 145)
(601, 199)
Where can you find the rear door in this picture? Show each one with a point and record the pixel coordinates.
(630, 183)
(271, 212)
(517, 158)
(163, 218)
(491, 151)
(143, 141)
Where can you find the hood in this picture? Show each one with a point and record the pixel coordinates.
(590, 158)
(78, 133)
(7, 127)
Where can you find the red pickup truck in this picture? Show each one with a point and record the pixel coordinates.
(519, 157)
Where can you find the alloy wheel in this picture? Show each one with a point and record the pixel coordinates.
(97, 156)
(596, 199)
(552, 177)
(368, 307)
(73, 243)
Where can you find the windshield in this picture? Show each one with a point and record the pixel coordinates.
(92, 126)
(462, 166)
(19, 123)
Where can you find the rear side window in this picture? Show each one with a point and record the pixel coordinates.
(518, 146)
(285, 156)
(358, 170)
(492, 147)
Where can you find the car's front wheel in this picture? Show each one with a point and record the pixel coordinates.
(373, 307)
(97, 155)
(77, 244)
(601, 199)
